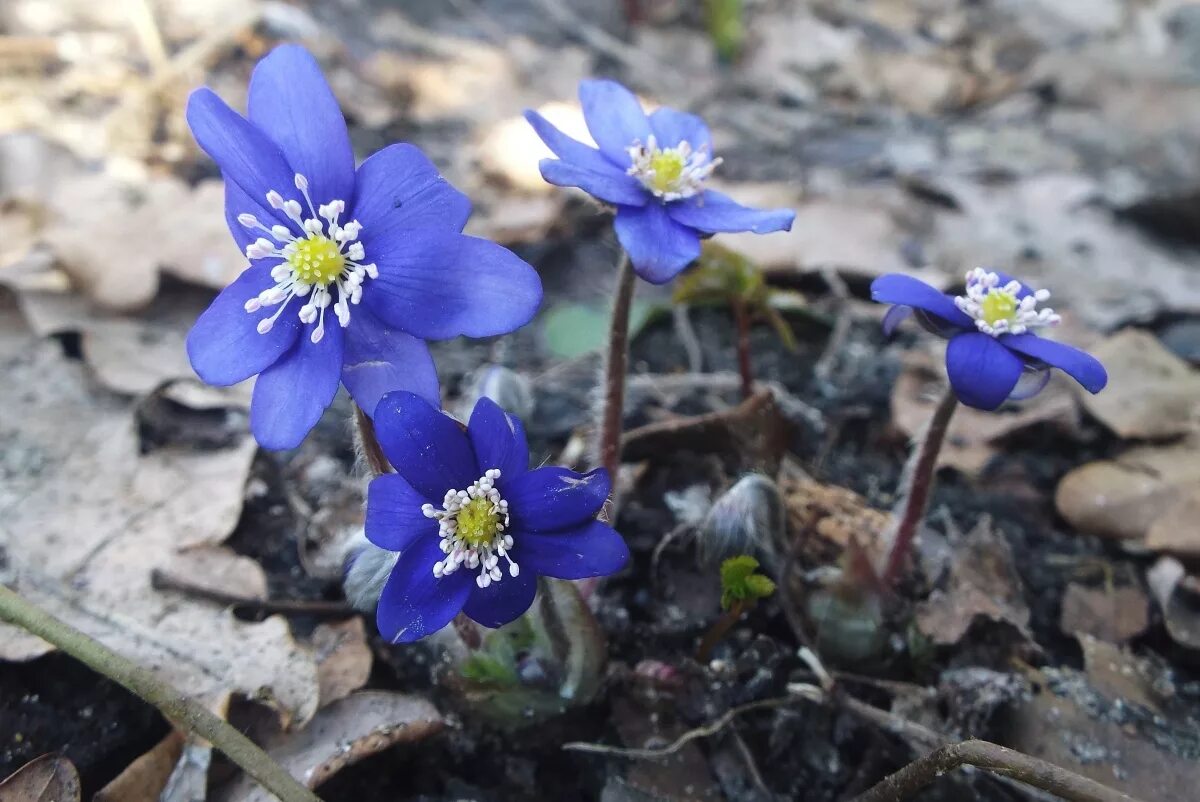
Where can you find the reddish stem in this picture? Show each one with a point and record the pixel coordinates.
(615, 369)
(742, 320)
(922, 470)
(720, 629)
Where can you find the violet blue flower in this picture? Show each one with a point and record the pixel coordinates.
(653, 169)
(992, 355)
(473, 525)
(350, 270)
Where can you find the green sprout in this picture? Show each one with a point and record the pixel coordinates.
(740, 584)
(726, 28)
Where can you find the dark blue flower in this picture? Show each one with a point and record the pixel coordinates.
(992, 356)
(473, 525)
(653, 169)
(351, 270)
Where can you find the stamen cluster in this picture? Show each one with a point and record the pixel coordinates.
(998, 310)
(670, 173)
(327, 253)
(472, 526)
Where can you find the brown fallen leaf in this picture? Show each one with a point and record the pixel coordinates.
(49, 778)
(981, 582)
(340, 735)
(1114, 615)
(835, 515)
(1177, 530)
(343, 658)
(144, 779)
(1151, 393)
(1123, 498)
(1180, 605)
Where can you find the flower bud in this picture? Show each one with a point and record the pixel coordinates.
(748, 518)
(510, 390)
(365, 570)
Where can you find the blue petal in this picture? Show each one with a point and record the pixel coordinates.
(499, 441)
(381, 358)
(394, 517)
(614, 117)
(414, 602)
(897, 288)
(427, 447)
(894, 317)
(552, 498)
(225, 347)
(608, 184)
(982, 372)
(711, 212)
(591, 550)
(399, 189)
(291, 102)
(1079, 365)
(1030, 384)
(503, 601)
(246, 155)
(659, 247)
(438, 284)
(672, 127)
(566, 148)
(290, 396)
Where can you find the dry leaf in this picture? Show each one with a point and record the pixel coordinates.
(49, 778)
(1177, 530)
(1115, 615)
(1180, 606)
(361, 725)
(835, 514)
(88, 517)
(343, 658)
(1151, 393)
(144, 779)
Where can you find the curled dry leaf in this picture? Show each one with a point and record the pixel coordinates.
(343, 658)
(49, 778)
(1180, 606)
(88, 517)
(144, 779)
(340, 735)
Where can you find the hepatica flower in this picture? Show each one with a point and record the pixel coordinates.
(653, 169)
(993, 354)
(473, 525)
(350, 270)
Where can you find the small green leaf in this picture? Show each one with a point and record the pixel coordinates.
(488, 669)
(739, 582)
(575, 329)
(726, 28)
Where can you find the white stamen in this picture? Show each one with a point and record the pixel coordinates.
(467, 550)
(695, 166)
(1024, 315)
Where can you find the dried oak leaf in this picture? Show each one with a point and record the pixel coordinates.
(49, 778)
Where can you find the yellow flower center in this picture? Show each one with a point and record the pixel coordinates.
(667, 166)
(997, 305)
(477, 523)
(317, 261)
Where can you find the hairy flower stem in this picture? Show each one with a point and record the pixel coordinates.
(368, 443)
(181, 709)
(721, 628)
(918, 483)
(614, 371)
(741, 318)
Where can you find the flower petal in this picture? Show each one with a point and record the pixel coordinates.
(1079, 365)
(394, 517)
(566, 148)
(894, 317)
(425, 446)
(897, 288)
(438, 284)
(982, 372)
(224, 345)
(246, 155)
(414, 602)
(659, 247)
(501, 602)
(594, 549)
(672, 127)
(290, 396)
(292, 103)
(711, 212)
(552, 498)
(381, 358)
(498, 440)
(608, 184)
(614, 117)
(399, 189)
(1030, 384)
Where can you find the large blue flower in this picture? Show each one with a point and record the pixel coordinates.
(992, 354)
(473, 525)
(652, 168)
(351, 270)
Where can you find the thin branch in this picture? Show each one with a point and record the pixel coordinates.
(994, 758)
(181, 709)
(615, 368)
(161, 580)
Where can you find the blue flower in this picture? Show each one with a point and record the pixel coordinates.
(350, 270)
(653, 169)
(992, 355)
(473, 525)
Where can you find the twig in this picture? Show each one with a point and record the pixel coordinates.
(687, 336)
(994, 758)
(368, 443)
(841, 325)
(712, 728)
(161, 580)
(181, 709)
(615, 368)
